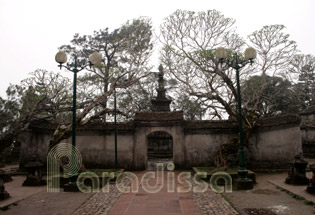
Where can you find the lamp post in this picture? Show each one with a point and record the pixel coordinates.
(61, 58)
(243, 183)
(115, 115)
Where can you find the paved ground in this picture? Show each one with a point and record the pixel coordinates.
(36, 200)
(18, 192)
(266, 199)
(48, 203)
(160, 203)
(166, 202)
(278, 180)
(101, 202)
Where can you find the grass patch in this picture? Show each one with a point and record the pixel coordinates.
(99, 172)
(310, 160)
(308, 202)
(298, 197)
(211, 170)
(232, 171)
(225, 198)
(273, 171)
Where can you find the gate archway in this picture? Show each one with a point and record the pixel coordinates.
(160, 145)
(160, 148)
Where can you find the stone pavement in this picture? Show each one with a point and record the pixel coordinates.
(265, 198)
(18, 192)
(278, 180)
(161, 203)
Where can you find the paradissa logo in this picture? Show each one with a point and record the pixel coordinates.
(66, 150)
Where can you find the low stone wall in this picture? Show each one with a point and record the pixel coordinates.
(203, 139)
(275, 145)
(275, 142)
(96, 144)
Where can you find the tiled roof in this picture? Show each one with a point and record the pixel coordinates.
(108, 126)
(279, 120)
(173, 117)
(216, 124)
(159, 116)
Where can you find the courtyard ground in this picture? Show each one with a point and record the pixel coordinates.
(264, 199)
(271, 196)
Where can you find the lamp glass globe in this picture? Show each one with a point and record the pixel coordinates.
(95, 58)
(61, 57)
(221, 53)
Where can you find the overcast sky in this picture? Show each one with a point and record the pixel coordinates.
(32, 30)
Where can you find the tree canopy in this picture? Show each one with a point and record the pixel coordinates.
(125, 49)
(277, 97)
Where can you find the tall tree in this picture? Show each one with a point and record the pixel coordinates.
(303, 66)
(41, 96)
(126, 49)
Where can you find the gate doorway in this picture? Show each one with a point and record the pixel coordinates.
(160, 149)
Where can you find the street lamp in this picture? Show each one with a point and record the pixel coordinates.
(115, 114)
(61, 58)
(243, 183)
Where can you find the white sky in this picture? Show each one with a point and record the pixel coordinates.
(32, 30)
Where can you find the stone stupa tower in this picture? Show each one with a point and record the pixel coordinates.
(161, 103)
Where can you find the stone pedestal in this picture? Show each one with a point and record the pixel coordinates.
(34, 181)
(244, 184)
(297, 174)
(34, 173)
(311, 186)
(72, 186)
(3, 193)
(242, 181)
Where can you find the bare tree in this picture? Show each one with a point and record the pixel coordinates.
(190, 40)
(275, 52)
